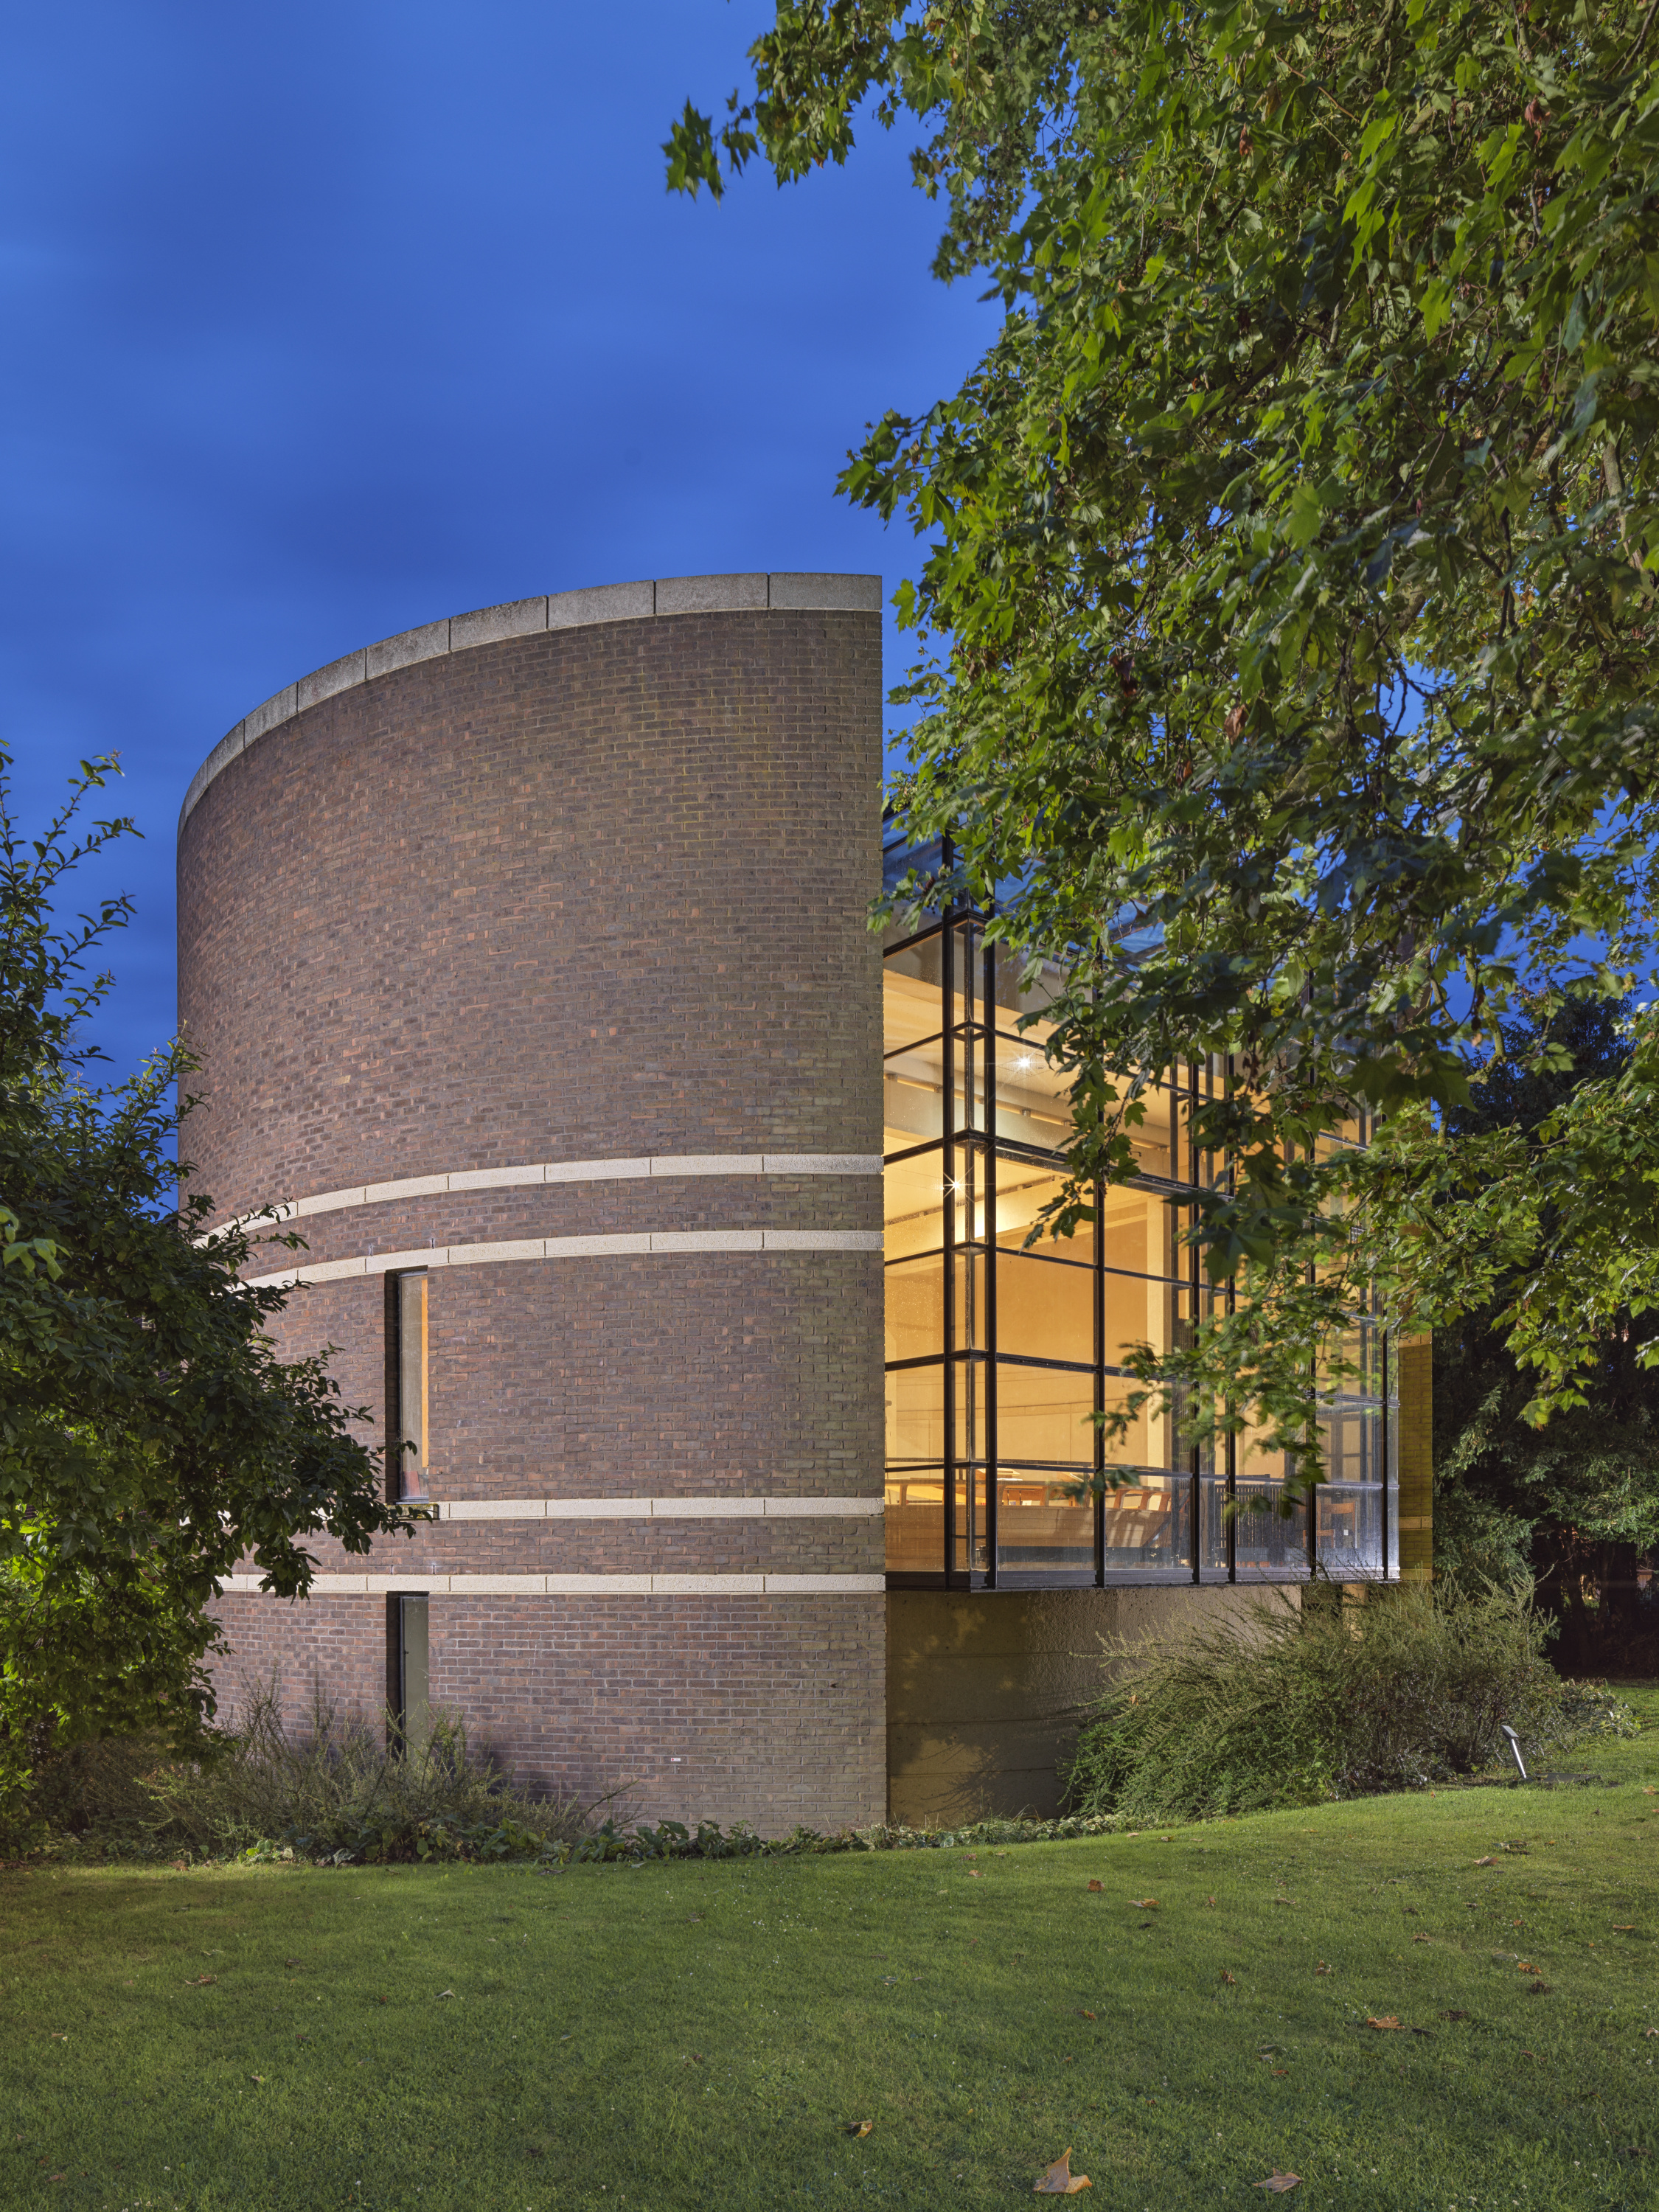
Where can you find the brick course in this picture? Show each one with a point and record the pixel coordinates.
(592, 893)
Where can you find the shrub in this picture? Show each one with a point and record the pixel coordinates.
(345, 1789)
(1289, 1704)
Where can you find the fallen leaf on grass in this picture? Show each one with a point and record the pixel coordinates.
(1093, 1884)
(1624, 1927)
(1060, 2180)
(446, 1993)
(1144, 1904)
(259, 2078)
(1525, 1967)
(1422, 1939)
(1280, 2072)
(1634, 2150)
(1226, 1976)
(857, 2127)
(1278, 2182)
(1486, 1862)
(974, 1874)
(1387, 2020)
(1209, 1900)
(1084, 2016)
(291, 1962)
(1321, 1968)
(1538, 1989)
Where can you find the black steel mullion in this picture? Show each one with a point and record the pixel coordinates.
(989, 1001)
(947, 963)
(1232, 1440)
(1098, 1288)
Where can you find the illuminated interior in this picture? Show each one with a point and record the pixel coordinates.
(998, 1356)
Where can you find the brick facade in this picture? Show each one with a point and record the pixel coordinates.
(587, 892)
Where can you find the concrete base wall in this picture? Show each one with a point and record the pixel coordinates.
(986, 1690)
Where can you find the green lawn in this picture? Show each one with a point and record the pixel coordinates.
(702, 2034)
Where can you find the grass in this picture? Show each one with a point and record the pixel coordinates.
(700, 2033)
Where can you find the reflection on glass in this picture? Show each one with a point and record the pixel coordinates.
(1349, 1520)
(1267, 1542)
(1040, 1530)
(916, 1414)
(912, 1196)
(410, 1414)
(1214, 1550)
(1253, 1459)
(1148, 1524)
(915, 1521)
(915, 1306)
(971, 1553)
(1353, 1441)
(1043, 1414)
(1045, 1307)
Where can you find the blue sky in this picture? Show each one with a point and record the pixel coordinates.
(323, 321)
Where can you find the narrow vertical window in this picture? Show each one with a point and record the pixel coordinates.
(406, 1318)
(406, 1670)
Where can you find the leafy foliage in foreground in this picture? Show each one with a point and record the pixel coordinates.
(1289, 609)
(1574, 1507)
(150, 1439)
(1290, 1706)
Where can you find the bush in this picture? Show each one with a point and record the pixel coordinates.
(344, 1789)
(1289, 1704)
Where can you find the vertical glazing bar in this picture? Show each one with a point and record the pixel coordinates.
(969, 1157)
(1232, 1440)
(1310, 1535)
(948, 1166)
(1189, 1214)
(1098, 1286)
(988, 1000)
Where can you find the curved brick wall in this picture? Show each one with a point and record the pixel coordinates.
(581, 881)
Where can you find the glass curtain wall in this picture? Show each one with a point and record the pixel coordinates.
(998, 1358)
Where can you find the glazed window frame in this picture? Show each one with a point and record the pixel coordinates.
(408, 1387)
(959, 1461)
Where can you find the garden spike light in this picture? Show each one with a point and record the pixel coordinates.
(1515, 1746)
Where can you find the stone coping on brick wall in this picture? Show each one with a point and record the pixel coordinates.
(766, 1508)
(651, 1164)
(800, 592)
(620, 1245)
(745, 1585)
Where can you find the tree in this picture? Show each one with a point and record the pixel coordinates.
(1574, 1509)
(1287, 616)
(150, 1438)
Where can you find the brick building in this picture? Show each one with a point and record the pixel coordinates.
(526, 956)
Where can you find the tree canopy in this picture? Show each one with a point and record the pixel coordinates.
(1574, 1508)
(1286, 616)
(150, 1438)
